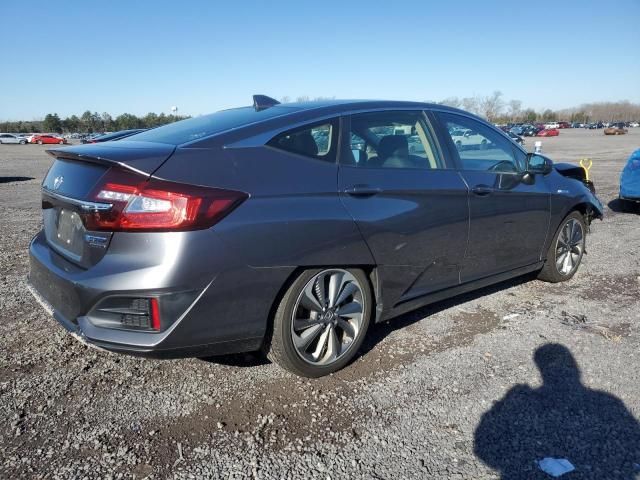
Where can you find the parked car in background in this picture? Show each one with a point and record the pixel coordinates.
(630, 183)
(516, 138)
(91, 136)
(47, 138)
(548, 132)
(464, 138)
(11, 138)
(616, 129)
(634, 124)
(564, 125)
(530, 130)
(150, 244)
(551, 125)
(107, 137)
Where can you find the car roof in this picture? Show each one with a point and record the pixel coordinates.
(346, 105)
(267, 116)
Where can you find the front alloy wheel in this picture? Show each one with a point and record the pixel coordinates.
(569, 247)
(321, 321)
(566, 250)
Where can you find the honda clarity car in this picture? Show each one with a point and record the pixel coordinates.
(292, 228)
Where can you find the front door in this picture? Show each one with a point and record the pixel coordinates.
(509, 219)
(408, 202)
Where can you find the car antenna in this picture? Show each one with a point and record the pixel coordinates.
(262, 102)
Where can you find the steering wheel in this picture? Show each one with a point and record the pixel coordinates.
(500, 167)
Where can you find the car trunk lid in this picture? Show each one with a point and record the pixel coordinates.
(69, 182)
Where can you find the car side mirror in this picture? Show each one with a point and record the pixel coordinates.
(537, 164)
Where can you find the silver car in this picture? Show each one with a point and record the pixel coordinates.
(11, 138)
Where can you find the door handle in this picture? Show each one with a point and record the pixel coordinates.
(482, 190)
(362, 191)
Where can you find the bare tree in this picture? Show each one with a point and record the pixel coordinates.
(285, 99)
(471, 104)
(515, 110)
(492, 106)
(451, 102)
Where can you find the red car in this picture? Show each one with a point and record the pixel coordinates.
(550, 132)
(40, 139)
(564, 125)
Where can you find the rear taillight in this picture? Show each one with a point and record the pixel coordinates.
(151, 205)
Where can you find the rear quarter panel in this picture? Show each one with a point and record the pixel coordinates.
(293, 217)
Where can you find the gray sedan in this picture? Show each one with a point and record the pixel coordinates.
(292, 228)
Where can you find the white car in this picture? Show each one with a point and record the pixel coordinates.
(634, 124)
(551, 125)
(11, 138)
(465, 139)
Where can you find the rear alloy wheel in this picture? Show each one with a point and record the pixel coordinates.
(321, 321)
(39, 142)
(566, 250)
(61, 142)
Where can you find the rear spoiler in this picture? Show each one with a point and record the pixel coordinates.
(141, 157)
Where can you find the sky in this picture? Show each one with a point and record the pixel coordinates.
(146, 56)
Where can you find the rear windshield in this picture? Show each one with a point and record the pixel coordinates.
(199, 127)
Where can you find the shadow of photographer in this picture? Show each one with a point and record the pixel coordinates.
(561, 419)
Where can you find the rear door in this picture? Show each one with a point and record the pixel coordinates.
(509, 219)
(407, 200)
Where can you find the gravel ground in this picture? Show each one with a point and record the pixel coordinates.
(480, 386)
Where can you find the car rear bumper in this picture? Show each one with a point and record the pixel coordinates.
(219, 305)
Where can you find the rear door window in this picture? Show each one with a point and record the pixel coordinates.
(400, 139)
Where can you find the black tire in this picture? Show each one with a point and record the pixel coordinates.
(628, 207)
(550, 271)
(280, 347)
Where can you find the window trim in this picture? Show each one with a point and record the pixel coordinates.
(430, 130)
(331, 157)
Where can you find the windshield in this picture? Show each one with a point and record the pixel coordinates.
(199, 127)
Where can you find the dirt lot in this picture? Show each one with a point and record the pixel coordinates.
(480, 386)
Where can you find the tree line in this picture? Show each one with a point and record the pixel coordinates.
(494, 108)
(498, 110)
(89, 122)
